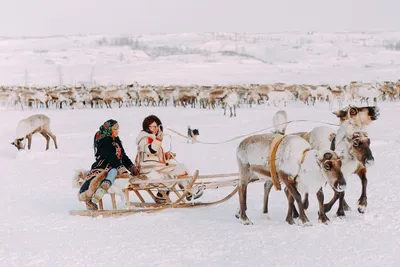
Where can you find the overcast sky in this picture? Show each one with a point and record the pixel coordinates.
(50, 17)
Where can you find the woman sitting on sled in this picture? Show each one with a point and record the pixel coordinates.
(110, 161)
(151, 158)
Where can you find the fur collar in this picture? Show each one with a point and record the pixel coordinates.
(142, 135)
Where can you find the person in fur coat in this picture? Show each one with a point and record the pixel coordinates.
(111, 160)
(151, 157)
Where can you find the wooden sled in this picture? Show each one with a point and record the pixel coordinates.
(146, 190)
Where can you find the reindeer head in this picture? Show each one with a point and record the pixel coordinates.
(330, 165)
(359, 146)
(361, 116)
(18, 143)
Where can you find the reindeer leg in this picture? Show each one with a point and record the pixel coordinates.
(321, 214)
(346, 206)
(243, 205)
(29, 136)
(230, 109)
(267, 189)
(234, 110)
(296, 195)
(305, 201)
(244, 178)
(289, 216)
(295, 213)
(340, 211)
(52, 137)
(328, 206)
(47, 139)
(362, 201)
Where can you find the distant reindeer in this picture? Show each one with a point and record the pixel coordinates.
(230, 100)
(34, 124)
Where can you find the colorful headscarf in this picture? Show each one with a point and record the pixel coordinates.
(104, 130)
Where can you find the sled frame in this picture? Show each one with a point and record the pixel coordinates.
(142, 188)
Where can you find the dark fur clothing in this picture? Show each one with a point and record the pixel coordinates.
(110, 153)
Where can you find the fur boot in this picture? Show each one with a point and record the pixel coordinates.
(86, 196)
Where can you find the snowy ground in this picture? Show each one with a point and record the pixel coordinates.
(36, 229)
(201, 58)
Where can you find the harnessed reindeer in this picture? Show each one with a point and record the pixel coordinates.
(287, 159)
(350, 141)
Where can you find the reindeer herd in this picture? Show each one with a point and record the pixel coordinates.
(200, 96)
(302, 161)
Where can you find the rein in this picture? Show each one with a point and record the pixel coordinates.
(244, 135)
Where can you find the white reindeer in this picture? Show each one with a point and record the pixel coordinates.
(31, 125)
(231, 99)
(278, 96)
(352, 143)
(291, 161)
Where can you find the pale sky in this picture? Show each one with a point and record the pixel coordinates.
(51, 17)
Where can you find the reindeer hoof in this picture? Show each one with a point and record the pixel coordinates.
(362, 205)
(305, 224)
(326, 222)
(340, 213)
(323, 219)
(361, 209)
(246, 222)
(290, 221)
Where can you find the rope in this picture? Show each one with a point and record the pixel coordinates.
(248, 134)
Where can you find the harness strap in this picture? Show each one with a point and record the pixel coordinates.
(303, 157)
(272, 158)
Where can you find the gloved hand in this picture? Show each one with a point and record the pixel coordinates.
(122, 170)
(134, 170)
(170, 155)
(160, 135)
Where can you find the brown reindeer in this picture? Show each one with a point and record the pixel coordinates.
(359, 116)
(354, 145)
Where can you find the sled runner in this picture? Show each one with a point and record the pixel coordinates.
(144, 194)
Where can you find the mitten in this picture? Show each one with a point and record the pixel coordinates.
(134, 170)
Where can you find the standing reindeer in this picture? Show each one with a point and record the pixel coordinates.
(34, 124)
(230, 100)
(287, 159)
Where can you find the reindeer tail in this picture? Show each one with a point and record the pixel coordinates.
(280, 122)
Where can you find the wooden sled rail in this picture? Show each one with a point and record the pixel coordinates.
(139, 181)
(177, 198)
